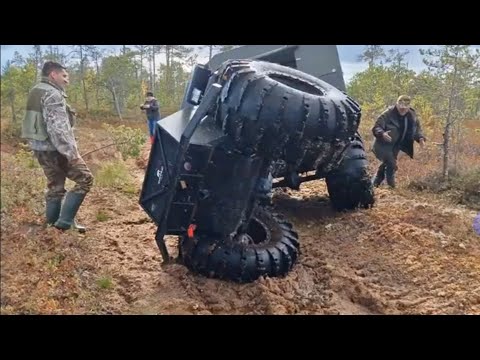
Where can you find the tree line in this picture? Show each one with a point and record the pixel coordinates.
(445, 94)
(102, 83)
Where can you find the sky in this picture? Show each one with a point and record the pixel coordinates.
(348, 55)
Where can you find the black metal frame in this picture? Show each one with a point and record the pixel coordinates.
(201, 112)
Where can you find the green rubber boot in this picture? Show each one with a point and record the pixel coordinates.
(69, 210)
(52, 210)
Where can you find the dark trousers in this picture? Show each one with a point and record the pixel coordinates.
(387, 168)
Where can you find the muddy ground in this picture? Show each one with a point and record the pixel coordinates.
(411, 254)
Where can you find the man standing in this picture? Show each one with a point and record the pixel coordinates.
(152, 109)
(395, 130)
(48, 126)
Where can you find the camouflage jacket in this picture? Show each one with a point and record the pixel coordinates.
(59, 121)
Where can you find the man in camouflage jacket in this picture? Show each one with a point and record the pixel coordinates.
(47, 125)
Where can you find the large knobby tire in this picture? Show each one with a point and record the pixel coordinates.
(349, 186)
(271, 250)
(265, 106)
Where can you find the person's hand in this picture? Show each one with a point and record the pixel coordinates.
(387, 137)
(422, 143)
(146, 106)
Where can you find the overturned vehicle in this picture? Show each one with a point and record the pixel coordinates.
(250, 116)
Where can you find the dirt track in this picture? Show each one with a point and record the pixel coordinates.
(408, 255)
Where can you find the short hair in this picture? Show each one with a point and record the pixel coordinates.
(50, 66)
(149, 93)
(404, 98)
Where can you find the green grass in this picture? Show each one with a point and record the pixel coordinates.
(105, 282)
(115, 175)
(102, 216)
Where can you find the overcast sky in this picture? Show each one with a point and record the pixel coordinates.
(348, 55)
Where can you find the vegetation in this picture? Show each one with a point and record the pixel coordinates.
(114, 268)
(115, 175)
(104, 84)
(445, 96)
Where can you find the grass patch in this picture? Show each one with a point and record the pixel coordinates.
(25, 158)
(102, 216)
(115, 175)
(23, 182)
(463, 187)
(105, 282)
(10, 130)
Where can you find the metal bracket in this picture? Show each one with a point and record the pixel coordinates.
(202, 111)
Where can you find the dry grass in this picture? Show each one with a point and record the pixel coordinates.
(45, 271)
(423, 173)
(10, 130)
(22, 183)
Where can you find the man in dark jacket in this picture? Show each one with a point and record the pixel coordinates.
(395, 130)
(152, 109)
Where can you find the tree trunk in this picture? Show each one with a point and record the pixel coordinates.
(38, 64)
(446, 137)
(141, 75)
(168, 49)
(458, 142)
(448, 126)
(82, 74)
(151, 71)
(97, 90)
(14, 116)
(168, 74)
(117, 105)
(153, 61)
(85, 94)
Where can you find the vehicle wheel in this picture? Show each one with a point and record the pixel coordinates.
(350, 185)
(268, 248)
(265, 106)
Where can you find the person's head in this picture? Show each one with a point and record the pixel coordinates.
(56, 73)
(403, 104)
(149, 96)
